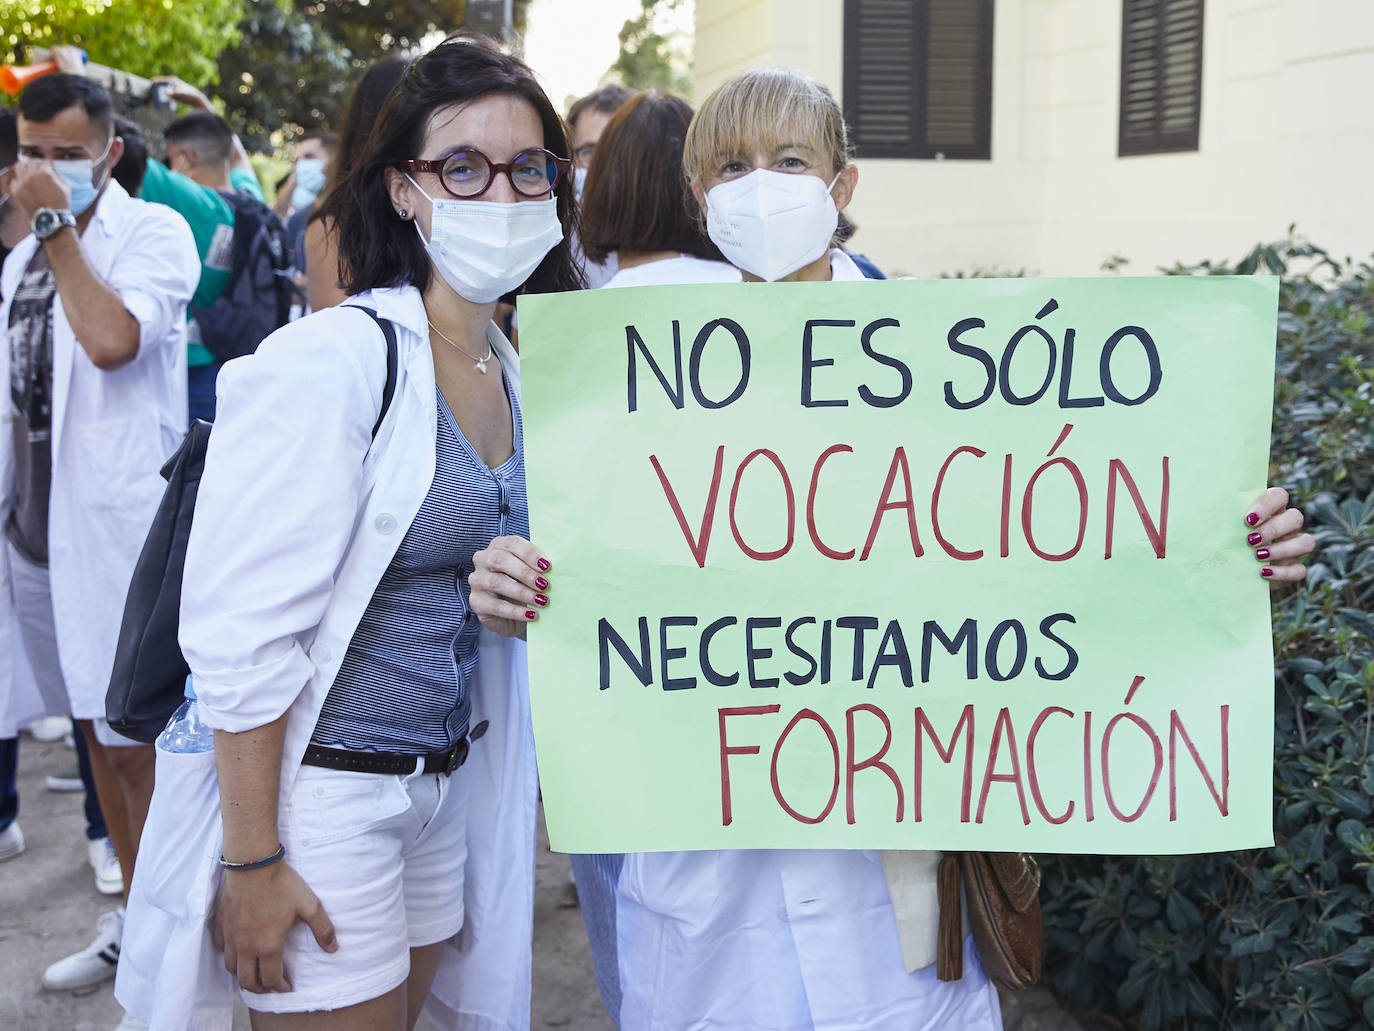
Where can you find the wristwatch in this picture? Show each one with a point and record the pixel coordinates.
(48, 221)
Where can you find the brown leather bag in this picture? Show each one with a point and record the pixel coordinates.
(1002, 891)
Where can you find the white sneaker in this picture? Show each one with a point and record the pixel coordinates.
(131, 1023)
(11, 841)
(50, 728)
(68, 780)
(109, 878)
(93, 964)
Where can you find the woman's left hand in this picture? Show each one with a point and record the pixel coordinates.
(1274, 535)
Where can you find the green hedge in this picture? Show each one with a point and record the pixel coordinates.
(1281, 938)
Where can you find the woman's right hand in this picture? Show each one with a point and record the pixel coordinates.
(255, 910)
(508, 585)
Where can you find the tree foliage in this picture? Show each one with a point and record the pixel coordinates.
(296, 60)
(652, 55)
(1281, 938)
(143, 37)
(285, 71)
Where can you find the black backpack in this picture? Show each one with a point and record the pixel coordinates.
(261, 290)
(149, 675)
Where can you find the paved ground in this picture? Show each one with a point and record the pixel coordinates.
(48, 907)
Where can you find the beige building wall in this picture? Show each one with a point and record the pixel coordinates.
(1287, 136)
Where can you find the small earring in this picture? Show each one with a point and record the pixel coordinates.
(404, 214)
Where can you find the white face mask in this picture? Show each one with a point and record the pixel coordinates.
(579, 183)
(771, 223)
(486, 249)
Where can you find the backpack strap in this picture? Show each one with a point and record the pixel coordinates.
(389, 331)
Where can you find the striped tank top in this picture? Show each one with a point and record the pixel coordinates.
(404, 685)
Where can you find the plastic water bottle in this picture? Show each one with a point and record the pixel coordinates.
(185, 732)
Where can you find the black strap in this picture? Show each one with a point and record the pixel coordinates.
(388, 331)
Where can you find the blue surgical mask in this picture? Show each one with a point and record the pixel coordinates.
(309, 182)
(79, 176)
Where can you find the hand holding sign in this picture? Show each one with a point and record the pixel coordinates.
(1275, 537)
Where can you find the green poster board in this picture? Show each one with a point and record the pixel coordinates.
(955, 564)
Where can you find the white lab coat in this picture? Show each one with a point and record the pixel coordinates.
(779, 940)
(679, 270)
(111, 432)
(297, 518)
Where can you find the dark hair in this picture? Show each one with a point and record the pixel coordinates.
(46, 98)
(844, 230)
(329, 139)
(9, 136)
(363, 107)
(606, 100)
(133, 163)
(204, 132)
(376, 248)
(636, 197)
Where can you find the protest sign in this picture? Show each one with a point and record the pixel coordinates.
(954, 564)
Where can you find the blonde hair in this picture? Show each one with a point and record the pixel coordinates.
(762, 110)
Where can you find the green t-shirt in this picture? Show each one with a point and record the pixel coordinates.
(244, 181)
(212, 224)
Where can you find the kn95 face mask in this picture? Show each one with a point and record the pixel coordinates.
(772, 223)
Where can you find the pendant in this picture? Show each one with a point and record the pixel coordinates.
(482, 366)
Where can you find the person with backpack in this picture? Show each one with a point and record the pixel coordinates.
(95, 315)
(373, 760)
(246, 290)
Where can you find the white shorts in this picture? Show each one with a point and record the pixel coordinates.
(385, 855)
(32, 592)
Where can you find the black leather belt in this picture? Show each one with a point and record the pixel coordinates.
(392, 762)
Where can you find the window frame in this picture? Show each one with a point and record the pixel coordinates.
(1159, 142)
(921, 149)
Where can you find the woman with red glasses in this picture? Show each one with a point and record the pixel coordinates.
(375, 764)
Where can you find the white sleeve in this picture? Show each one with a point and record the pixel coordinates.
(276, 510)
(156, 274)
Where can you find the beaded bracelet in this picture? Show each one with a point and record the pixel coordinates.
(257, 863)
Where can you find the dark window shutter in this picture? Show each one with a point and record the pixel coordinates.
(1161, 76)
(918, 77)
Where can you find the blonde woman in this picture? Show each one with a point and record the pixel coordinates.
(768, 940)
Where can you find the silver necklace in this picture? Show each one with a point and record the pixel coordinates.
(481, 363)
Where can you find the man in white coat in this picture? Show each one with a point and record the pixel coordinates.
(94, 313)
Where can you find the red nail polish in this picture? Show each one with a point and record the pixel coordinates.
(1262, 553)
(541, 583)
(531, 614)
(540, 600)
(1254, 539)
(1266, 571)
(1252, 519)
(543, 565)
